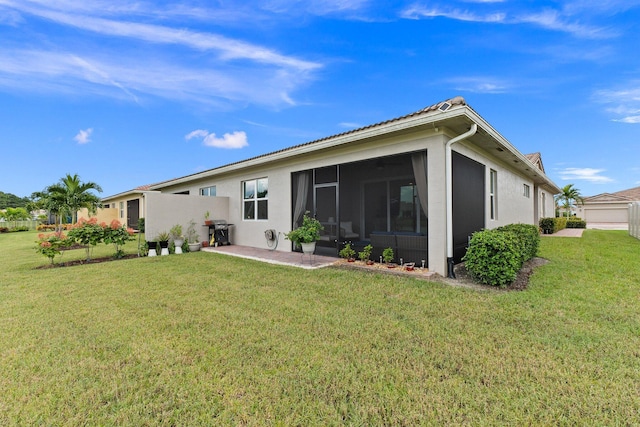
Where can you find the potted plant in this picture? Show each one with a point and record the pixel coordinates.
(387, 256)
(365, 254)
(178, 238)
(307, 234)
(347, 253)
(207, 221)
(192, 237)
(163, 239)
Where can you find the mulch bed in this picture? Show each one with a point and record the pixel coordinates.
(85, 262)
(463, 279)
(519, 284)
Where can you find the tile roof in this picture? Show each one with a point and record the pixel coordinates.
(630, 195)
(536, 159)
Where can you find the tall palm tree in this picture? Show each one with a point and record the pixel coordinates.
(71, 194)
(569, 195)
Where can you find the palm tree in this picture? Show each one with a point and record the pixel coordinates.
(71, 194)
(569, 195)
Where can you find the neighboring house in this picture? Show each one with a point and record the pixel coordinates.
(126, 207)
(609, 207)
(421, 183)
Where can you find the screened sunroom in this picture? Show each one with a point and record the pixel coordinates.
(380, 201)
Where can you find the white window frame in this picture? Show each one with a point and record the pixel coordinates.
(206, 191)
(526, 191)
(121, 210)
(493, 194)
(255, 199)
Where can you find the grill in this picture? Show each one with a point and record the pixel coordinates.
(219, 232)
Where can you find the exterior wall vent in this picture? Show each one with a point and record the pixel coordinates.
(444, 107)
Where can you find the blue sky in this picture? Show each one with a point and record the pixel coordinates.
(128, 93)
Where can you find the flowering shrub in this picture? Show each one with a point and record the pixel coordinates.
(49, 244)
(88, 233)
(46, 227)
(117, 234)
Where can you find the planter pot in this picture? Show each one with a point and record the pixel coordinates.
(152, 248)
(308, 248)
(164, 247)
(369, 262)
(390, 265)
(205, 244)
(178, 244)
(208, 222)
(351, 260)
(194, 247)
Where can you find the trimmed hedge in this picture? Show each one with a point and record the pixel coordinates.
(494, 257)
(529, 237)
(553, 224)
(576, 223)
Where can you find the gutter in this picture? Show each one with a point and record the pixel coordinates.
(449, 192)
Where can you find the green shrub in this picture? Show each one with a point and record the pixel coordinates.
(576, 223)
(547, 224)
(529, 238)
(494, 257)
(559, 223)
(347, 252)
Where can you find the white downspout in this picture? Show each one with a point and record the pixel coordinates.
(449, 193)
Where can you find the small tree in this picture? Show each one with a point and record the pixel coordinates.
(49, 244)
(88, 233)
(118, 235)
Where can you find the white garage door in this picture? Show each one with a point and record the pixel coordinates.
(606, 214)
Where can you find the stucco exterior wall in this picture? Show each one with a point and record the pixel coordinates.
(171, 209)
(103, 215)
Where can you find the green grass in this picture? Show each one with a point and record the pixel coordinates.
(204, 339)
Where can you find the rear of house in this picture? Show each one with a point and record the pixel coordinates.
(421, 184)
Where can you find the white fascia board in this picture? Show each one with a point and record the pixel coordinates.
(505, 144)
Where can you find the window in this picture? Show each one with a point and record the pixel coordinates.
(255, 197)
(527, 191)
(106, 206)
(493, 193)
(544, 205)
(208, 191)
(121, 209)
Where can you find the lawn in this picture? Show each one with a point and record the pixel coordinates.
(205, 339)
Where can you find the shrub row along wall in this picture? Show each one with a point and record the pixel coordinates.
(552, 225)
(494, 257)
(634, 219)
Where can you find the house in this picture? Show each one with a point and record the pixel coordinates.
(610, 208)
(126, 207)
(421, 183)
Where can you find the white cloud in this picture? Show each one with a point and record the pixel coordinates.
(237, 139)
(480, 84)
(417, 12)
(584, 174)
(213, 69)
(350, 125)
(83, 136)
(549, 19)
(625, 101)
